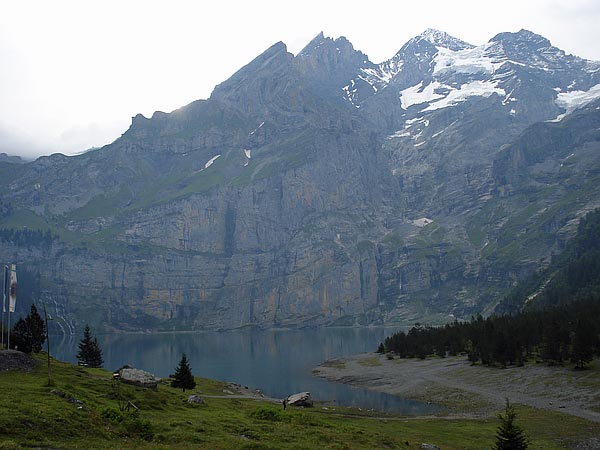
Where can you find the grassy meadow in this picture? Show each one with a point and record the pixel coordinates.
(81, 408)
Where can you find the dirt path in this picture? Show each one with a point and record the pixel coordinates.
(473, 390)
(237, 391)
(245, 397)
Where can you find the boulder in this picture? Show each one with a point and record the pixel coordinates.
(301, 399)
(195, 400)
(58, 393)
(16, 360)
(429, 447)
(138, 377)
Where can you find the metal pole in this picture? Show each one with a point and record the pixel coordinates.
(3, 299)
(47, 342)
(8, 332)
(12, 268)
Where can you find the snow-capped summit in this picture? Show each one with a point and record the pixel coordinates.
(442, 39)
(515, 71)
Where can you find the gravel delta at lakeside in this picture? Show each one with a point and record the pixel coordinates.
(472, 391)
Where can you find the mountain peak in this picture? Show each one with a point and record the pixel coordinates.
(320, 39)
(275, 59)
(442, 39)
(315, 43)
(522, 37)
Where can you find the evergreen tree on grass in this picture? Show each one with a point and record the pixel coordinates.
(183, 377)
(96, 359)
(90, 353)
(29, 334)
(509, 435)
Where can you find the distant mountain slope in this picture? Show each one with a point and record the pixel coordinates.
(319, 189)
(572, 275)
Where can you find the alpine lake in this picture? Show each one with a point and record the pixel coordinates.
(278, 362)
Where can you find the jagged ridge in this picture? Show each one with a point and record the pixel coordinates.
(319, 189)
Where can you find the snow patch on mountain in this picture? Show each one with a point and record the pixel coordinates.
(573, 100)
(418, 94)
(470, 61)
(474, 88)
(350, 93)
(399, 134)
(413, 129)
(422, 222)
(381, 75)
(210, 161)
(440, 95)
(256, 129)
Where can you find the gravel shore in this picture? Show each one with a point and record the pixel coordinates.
(472, 391)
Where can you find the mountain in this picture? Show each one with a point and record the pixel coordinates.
(572, 276)
(11, 159)
(319, 189)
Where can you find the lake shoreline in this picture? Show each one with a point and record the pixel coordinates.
(471, 391)
(277, 362)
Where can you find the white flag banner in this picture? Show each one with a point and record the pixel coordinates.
(5, 280)
(13, 288)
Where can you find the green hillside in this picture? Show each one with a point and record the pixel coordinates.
(81, 410)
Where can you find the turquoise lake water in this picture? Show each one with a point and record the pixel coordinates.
(278, 362)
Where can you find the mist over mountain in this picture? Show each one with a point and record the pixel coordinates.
(319, 189)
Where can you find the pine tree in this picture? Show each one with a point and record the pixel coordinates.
(38, 329)
(29, 334)
(90, 353)
(96, 355)
(183, 377)
(509, 435)
(20, 336)
(552, 340)
(583, 343)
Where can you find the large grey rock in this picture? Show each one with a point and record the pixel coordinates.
(302, 399)
(16, 360)
(195, 399)
(429, 447)
(138, 378)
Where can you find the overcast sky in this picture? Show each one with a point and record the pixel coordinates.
(73, 73)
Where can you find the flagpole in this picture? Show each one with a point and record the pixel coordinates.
(47, 342)
(3, 299)
(13, 295)
(8, 331)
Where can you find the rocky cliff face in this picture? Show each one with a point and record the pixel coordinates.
(319, 189)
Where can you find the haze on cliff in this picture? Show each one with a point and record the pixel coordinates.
(72, 74)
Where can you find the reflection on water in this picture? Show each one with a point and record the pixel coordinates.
(277, 362)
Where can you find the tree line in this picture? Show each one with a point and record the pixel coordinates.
(566, 333)
(29, 333)
(550, 316)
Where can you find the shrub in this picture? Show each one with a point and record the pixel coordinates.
(267, 413)
(139, 428)
(113, 414)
